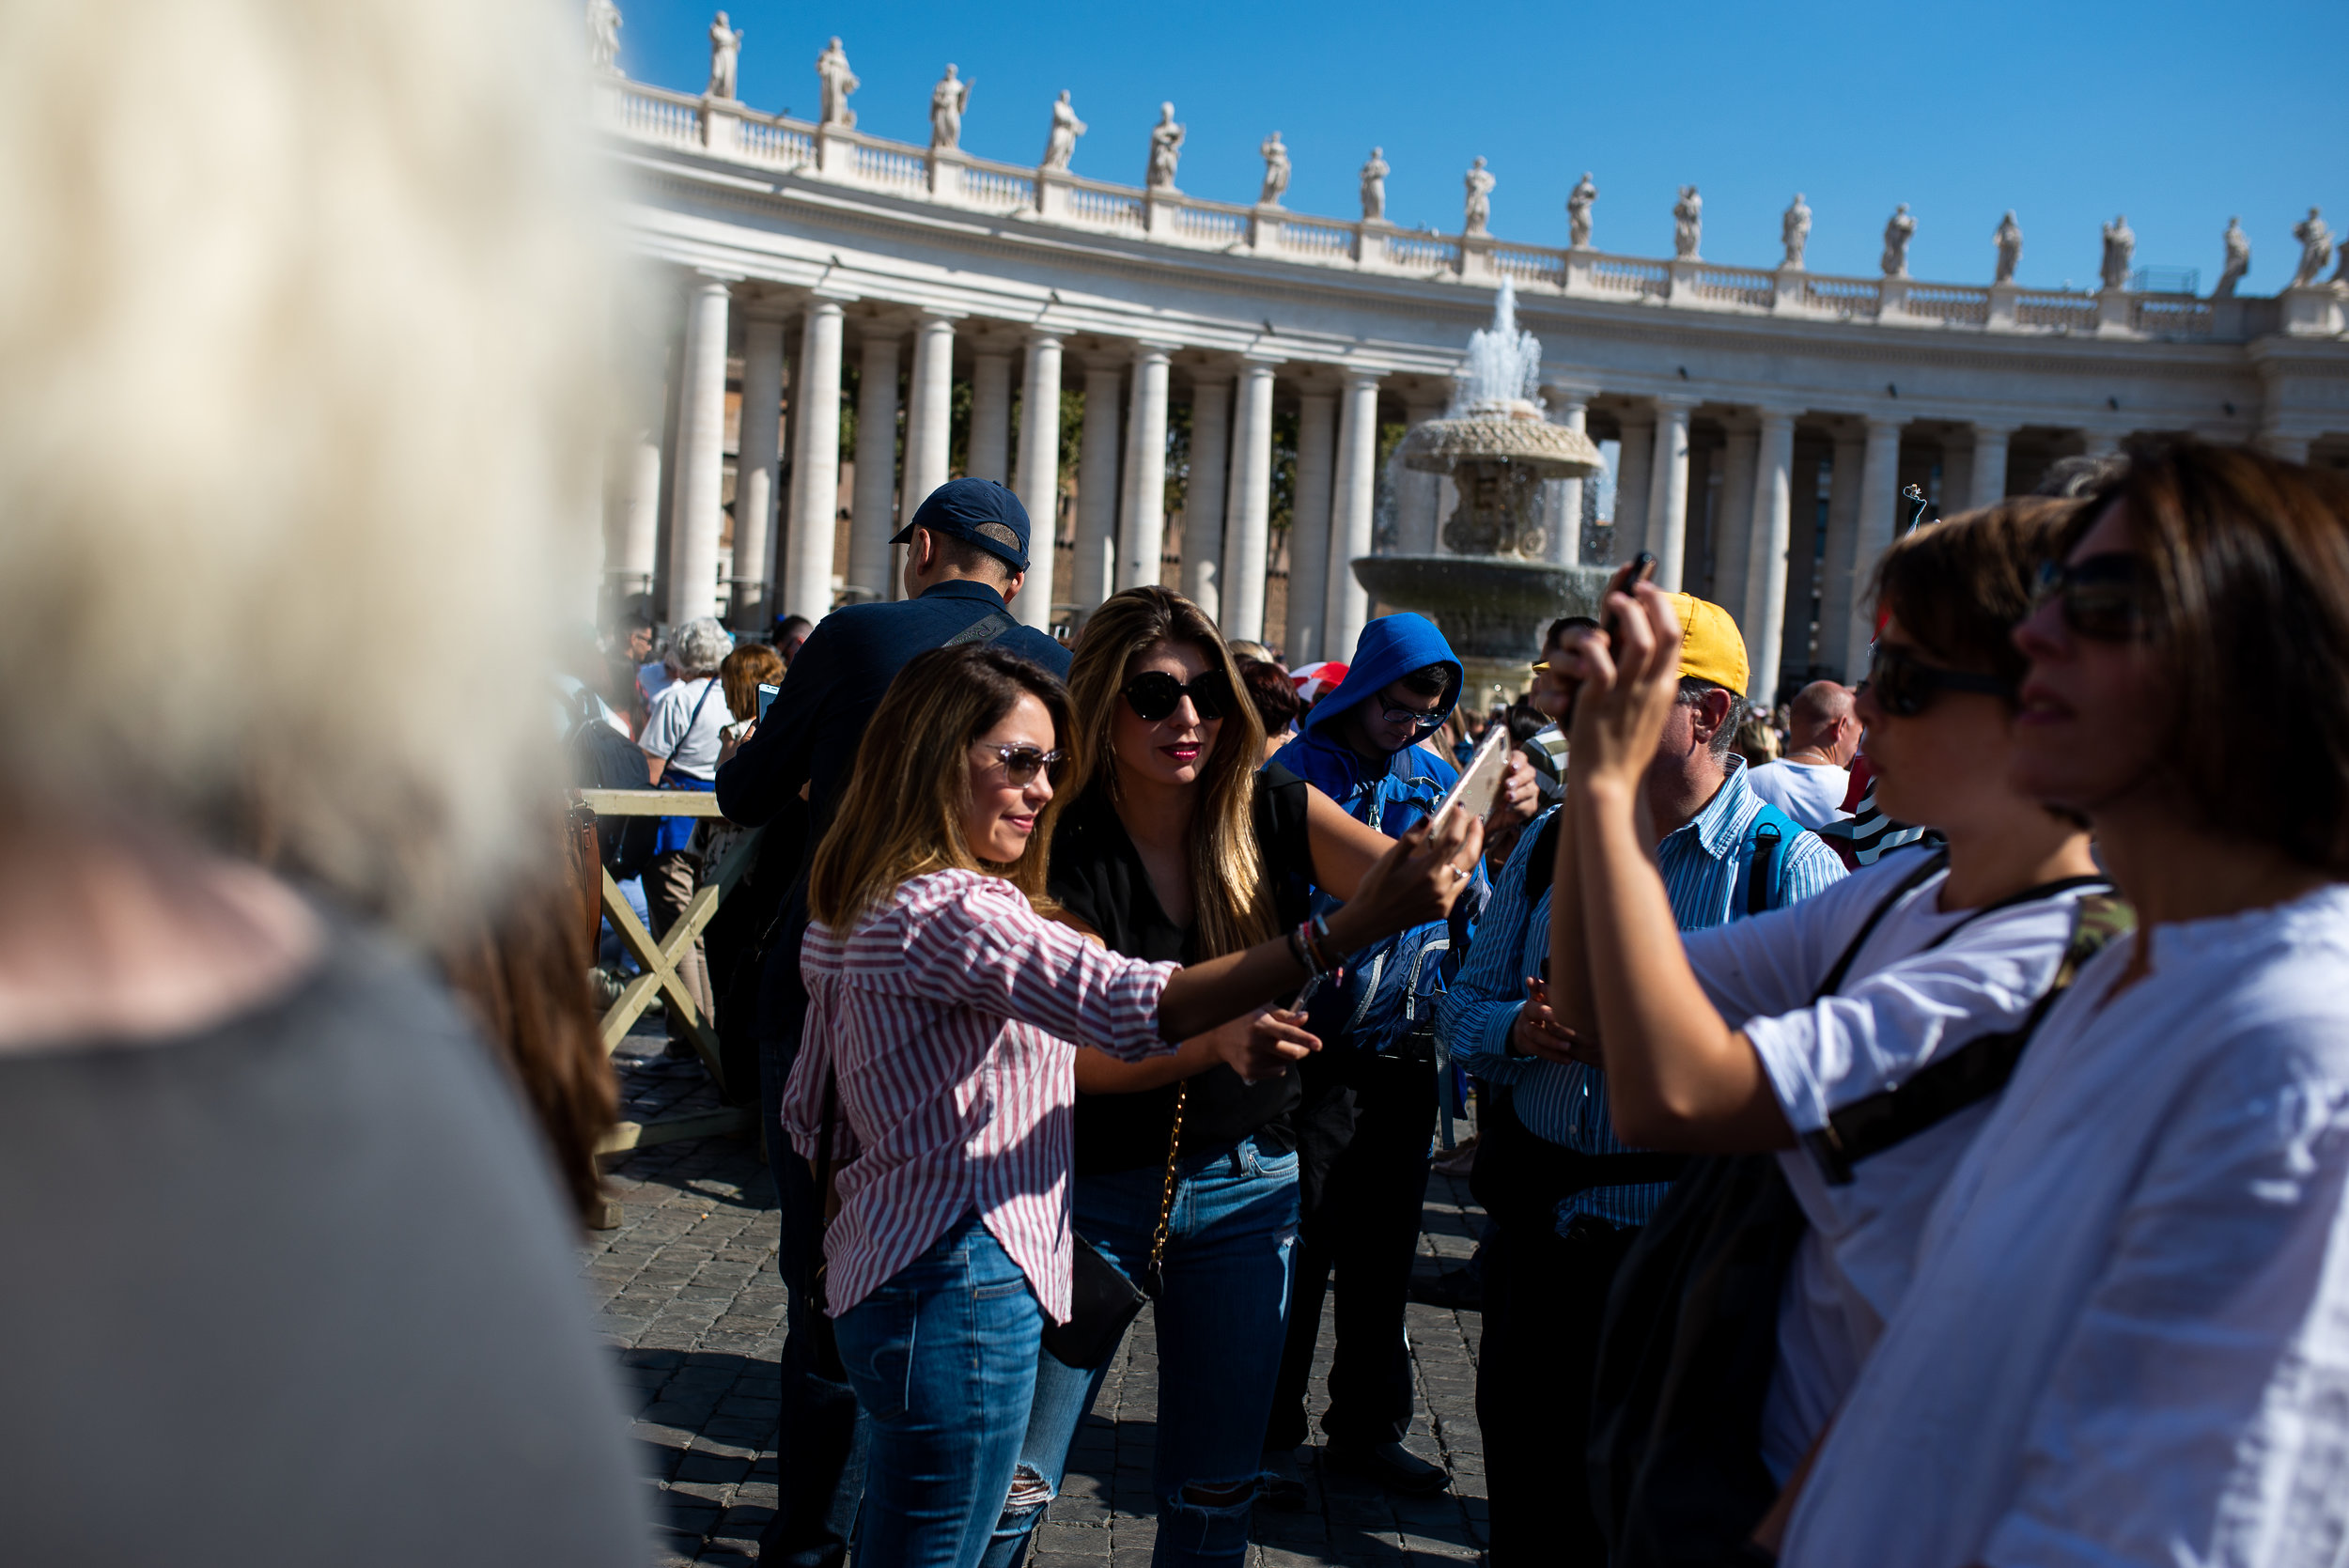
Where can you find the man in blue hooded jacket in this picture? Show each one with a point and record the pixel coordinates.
(1368, 1111)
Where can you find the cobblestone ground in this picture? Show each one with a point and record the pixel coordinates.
(690, 1301)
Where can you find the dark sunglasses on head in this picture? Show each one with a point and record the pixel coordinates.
(1154, 694)
(2103, 597)
(1904, 686)
(1021, 764)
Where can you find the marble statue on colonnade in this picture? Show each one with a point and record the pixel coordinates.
(2316, 248)
(1578, 202)
(603, 37)
(836, 82)
(2120, 245)
(726, 53)
(1480, 185)
(948, 101)
(1794, 229)
(1166, 150)
(2238, 259)
(1060, 145)
(1276, 171)
(1688, 224)
(2010, 239)
(1898, 231)
(1375, 187)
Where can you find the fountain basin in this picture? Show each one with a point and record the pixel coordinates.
(1492, 609)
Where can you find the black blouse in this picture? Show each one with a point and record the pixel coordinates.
(1100, 877)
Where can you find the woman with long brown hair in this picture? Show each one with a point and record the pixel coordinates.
(1180, 842)
(937, 1071)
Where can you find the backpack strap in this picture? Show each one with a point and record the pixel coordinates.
(1974, 1071)
(992, 626)
(1761, 874)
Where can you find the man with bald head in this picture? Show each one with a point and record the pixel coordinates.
(1808, 783)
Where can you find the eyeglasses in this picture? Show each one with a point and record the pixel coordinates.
(1423, 722)
(1154, 694)
(1904, 686)
(2103, 596)
(1021, 764)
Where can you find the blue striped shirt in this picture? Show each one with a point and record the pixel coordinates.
(1566, 1103)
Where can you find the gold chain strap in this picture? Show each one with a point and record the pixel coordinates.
(1166, 1192)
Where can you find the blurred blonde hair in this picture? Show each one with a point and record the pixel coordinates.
(301, 319)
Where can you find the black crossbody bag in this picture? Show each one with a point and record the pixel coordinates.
(1102, 1301)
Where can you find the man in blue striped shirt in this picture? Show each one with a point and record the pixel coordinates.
(1566, 1198)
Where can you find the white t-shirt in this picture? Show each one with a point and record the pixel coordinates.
(1902, 1003)
(697, 756)
(1812, 796)
(2129, 1325)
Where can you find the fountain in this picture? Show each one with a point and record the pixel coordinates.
(1494, 588)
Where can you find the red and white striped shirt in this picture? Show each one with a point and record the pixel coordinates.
(947, 1016)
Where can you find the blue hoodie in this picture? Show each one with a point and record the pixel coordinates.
(1390, 649)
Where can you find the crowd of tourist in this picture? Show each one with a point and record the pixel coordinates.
(1911, 1123)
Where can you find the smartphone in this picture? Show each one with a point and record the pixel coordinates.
(767, 695)
(1480, 781)
(1638, 570)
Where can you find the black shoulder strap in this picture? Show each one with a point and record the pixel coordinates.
(989, 627)
(1761, 869)
(691, 720)
(1976, 1070)
(1909, 884)
(1543, 868)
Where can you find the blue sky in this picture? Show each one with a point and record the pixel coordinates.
(2067, 112)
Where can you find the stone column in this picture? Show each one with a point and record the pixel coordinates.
(1872, 534)
(815, 471)
(697, 510)
(634, 563)
(1354, 498)
(1668, 491)
(1203, 497)
(990, 418)
(1989, 475)
(1418, 497)
(873, 515)
(756, 465)
(1309, 568)
(1772, 508)
(1570, 408)
(1634, 458)
(1142, 536)
(1038, 482)
(1732, 528)
(1096, 488)
(1835, 589)
(1249, 534)
(929, 421)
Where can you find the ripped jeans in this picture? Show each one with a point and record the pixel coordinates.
(1219, 1324)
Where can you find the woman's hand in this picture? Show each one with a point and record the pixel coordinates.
(1629, 684)
(1414, 882)
(1262, 1045)
(1537, 1031)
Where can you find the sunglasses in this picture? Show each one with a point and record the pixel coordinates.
(1021, 764)
(1421, 721)
(2103, 597)
(1904, 686)
(1154, 694)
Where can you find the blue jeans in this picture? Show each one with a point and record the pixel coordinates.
(942, 1358)
(1220, 1323)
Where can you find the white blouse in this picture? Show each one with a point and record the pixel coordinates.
(2127, 1336)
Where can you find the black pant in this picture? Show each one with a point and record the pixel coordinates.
(1545, 1300)
(1364, 1127)
(819, 1452)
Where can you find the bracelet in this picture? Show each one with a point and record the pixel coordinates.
(1316, 934)
(1300, 949)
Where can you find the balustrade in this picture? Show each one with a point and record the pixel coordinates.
(1529, 264)
(1956, 306)
(1620, 275)
(1423, 252)
(653, 116)
(903, 172)
(2053, 309)
(769, 142)
(1851, 299)
(997, 190)
(1106, 207)
(1324, 242)
(1735, 286)
(1209, 225)
(2170, 316)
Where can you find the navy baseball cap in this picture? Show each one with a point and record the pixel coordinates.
(979, 510)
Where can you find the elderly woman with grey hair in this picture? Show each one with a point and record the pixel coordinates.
(681, 740)
(306, 1281)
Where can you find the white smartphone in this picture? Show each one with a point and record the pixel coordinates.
(1480, 783)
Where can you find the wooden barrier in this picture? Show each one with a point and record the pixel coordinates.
(659, 960)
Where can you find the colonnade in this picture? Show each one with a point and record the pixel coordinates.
(1727, 498)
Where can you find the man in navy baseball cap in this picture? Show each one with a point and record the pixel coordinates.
(978, 511)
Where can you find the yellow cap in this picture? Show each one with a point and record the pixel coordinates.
(1711, 647)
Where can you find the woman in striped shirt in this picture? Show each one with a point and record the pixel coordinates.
(942, 1011)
